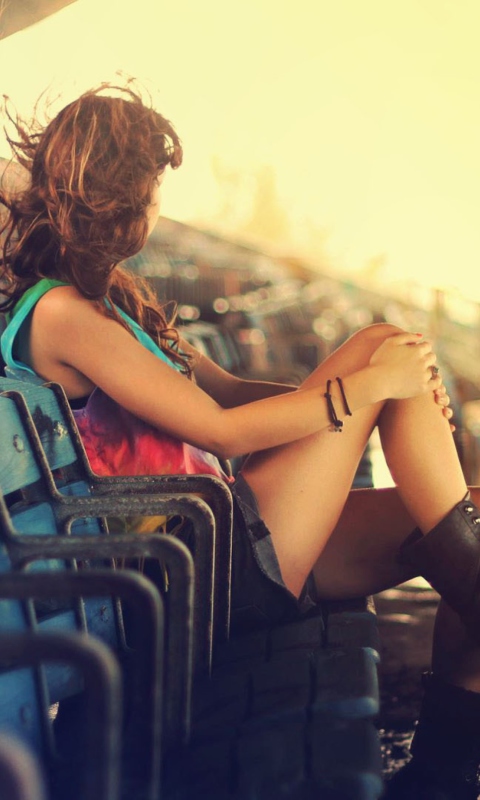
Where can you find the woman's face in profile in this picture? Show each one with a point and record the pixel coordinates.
(153, 210)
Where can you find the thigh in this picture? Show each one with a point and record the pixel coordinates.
(302, 487)
(259, 596)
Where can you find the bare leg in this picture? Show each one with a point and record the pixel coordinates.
(420, 469)
(422, 458)
(351, 538)
(302, 488)
(360, 557)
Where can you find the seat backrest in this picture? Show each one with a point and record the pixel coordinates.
(27, 490)
(26, 485)
(23, 715)
(72, 475)
(35, 511)
(39, 452)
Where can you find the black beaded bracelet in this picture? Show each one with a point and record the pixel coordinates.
(344, 397)
(337, 423)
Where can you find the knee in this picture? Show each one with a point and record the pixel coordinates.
(377, 333)
(365, 341)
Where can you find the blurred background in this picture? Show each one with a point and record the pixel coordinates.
(346, 132)
(332, 165)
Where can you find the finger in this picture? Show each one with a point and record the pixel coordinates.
(434, 383)
(442, 401)
(430, 365)
(426, 349)
(430, 360)
(406, 338)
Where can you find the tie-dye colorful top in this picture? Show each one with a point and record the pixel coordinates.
(116, 442)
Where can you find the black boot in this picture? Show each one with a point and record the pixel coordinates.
(445, 747)
(449, 558)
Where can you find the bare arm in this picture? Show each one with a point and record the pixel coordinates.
(228, 390)
(69, 335)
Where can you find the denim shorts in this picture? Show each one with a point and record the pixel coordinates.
(260, 598)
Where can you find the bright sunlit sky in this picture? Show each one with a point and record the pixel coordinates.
(367, 110)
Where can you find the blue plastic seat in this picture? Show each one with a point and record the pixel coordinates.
(191, 496)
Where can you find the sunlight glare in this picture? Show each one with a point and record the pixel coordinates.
(366, 112)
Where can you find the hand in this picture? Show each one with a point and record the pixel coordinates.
(443, 400)
(406, 362)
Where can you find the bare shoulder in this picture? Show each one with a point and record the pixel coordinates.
(63, 316)
(64, 326)
(63, 304)
(56, 330)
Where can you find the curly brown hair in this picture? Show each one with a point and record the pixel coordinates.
(92, 171)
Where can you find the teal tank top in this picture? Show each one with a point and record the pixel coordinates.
(25, 305)
(154, 452)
